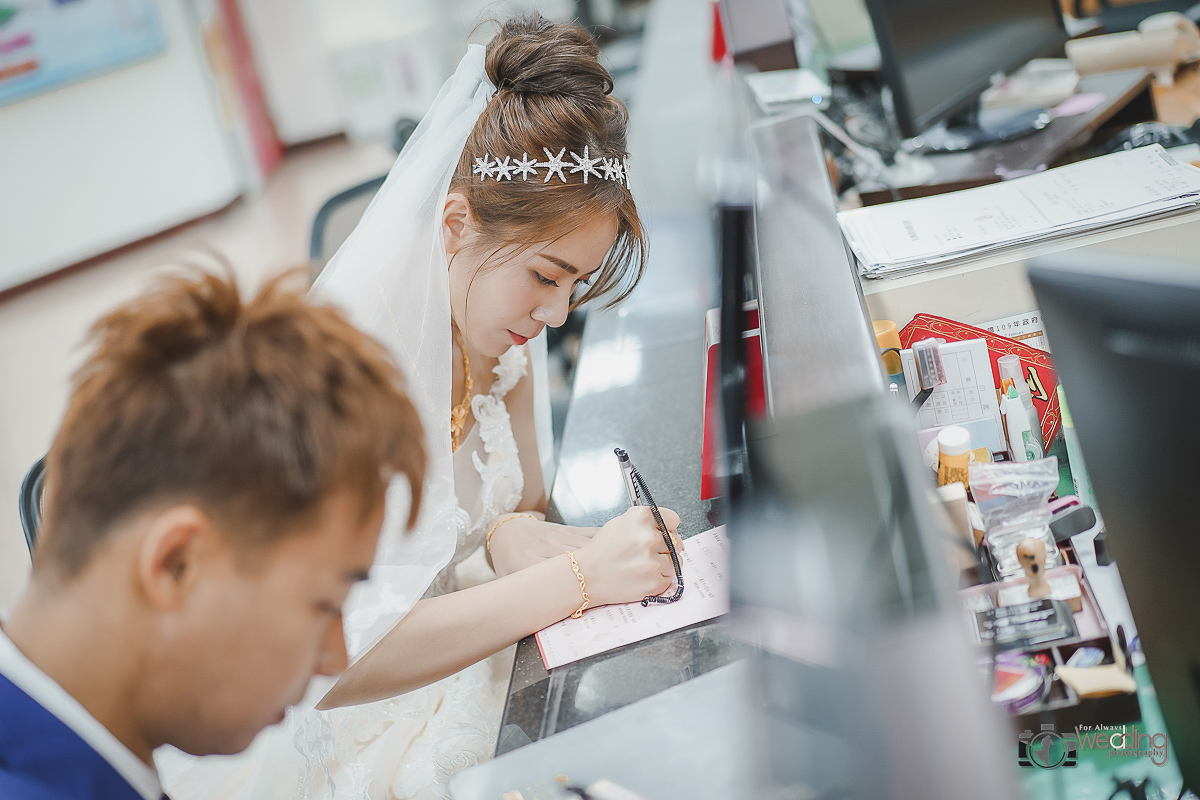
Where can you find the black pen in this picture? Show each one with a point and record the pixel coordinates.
(639, 495)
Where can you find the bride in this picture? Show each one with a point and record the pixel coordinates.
(510, 203)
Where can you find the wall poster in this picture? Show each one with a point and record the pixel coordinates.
(46, 43)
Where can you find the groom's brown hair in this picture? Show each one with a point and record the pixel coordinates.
(252, 411)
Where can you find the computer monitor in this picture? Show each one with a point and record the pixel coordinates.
(938, 56)
(1124, 331)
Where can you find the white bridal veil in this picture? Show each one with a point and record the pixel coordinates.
(391, 277)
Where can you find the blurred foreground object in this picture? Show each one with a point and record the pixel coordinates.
(1126, 334)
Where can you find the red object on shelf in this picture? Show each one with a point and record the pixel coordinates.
(756, 396)
(1039, 368)
(719, 50)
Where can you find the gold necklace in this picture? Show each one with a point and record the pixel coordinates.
(458, 414)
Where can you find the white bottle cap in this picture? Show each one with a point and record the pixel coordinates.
(954, 441)
(1010, 366)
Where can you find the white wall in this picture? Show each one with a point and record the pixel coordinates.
(109, 160)
(328, 66)
(292, 68)
(844, 24)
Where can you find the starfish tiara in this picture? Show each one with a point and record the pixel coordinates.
(609, 169)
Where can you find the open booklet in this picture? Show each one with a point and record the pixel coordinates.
(705, 568)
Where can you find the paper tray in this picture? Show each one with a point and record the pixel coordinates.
(1068, 709)
(1089, 621)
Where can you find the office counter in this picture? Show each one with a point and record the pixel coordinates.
(639, 386)
(818, 351)
(817, 347)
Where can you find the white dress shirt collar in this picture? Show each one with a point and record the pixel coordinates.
(26, 676)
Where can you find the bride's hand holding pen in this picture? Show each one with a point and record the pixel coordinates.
(627, 559)
(629, 542)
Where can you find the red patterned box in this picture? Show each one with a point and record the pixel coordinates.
(1039, 369)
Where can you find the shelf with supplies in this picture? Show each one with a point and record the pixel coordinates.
(1086, 671)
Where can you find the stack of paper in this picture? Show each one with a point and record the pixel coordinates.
(1102, 193)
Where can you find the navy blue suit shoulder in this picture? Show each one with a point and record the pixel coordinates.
(41, 758)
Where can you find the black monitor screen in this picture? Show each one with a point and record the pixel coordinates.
(1125, 333)
(938, 55)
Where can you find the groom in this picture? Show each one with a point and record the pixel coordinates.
(215, 490)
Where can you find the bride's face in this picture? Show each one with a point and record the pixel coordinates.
(509, 298)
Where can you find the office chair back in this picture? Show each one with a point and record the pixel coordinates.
(337, 218)
(341, 213)
(30, 506)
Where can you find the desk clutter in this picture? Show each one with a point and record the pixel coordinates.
(989, 420)
(1031, 373)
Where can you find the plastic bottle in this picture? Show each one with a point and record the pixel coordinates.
(1013, 371)
(954, 453)
(1021, 441)
(1079, 473)
(887, 339)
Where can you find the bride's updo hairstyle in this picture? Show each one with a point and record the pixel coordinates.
(552, 93)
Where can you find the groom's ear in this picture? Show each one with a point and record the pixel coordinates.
(456, 222)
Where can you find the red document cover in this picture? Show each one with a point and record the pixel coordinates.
(1039, 369)
(756, 397)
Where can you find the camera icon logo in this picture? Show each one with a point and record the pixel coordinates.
(1047, 749)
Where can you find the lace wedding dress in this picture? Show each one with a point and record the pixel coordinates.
(407, 746)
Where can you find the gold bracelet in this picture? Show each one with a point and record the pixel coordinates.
(587, 600)
(488, 543)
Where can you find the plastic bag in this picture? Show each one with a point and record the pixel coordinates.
(1013, 498)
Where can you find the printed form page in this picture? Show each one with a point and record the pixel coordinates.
(704, 564)
(1118, 186)
(1127, 180)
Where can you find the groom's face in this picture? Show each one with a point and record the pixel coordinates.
(507, 298)
(254, 632)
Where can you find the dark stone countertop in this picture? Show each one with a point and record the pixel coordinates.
(639, 385)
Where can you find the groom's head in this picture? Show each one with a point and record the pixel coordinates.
(215, 490)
